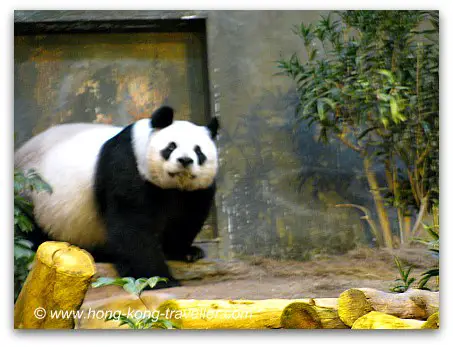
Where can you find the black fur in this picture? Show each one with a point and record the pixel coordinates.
(167, 151)
(145, 224)
(162, 117)
(213, 127)
(201, 157)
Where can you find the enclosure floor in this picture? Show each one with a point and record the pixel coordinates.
(263, 278)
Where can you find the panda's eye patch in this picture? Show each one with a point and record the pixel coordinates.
(166, 152)
(201, 157)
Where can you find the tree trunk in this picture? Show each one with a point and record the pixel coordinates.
(421, 214)
(407, 228)
(403, 239)
(379, 202)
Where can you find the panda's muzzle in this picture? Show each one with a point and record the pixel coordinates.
(185, 161)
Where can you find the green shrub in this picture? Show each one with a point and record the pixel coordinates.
(23, 224)
(370, 80)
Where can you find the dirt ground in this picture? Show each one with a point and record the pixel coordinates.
(263, 278)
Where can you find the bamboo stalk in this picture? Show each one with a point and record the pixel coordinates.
(407, 228)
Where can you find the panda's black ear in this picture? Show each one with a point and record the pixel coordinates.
(213, 127)
(162, 117)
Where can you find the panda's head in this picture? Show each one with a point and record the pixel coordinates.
(180, 154)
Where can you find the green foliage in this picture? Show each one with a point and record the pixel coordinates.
(23, 258)
(23, 210)
(432, 243)
(143, 323)
(136, 287)
(129, 284)
(371, 80)
(23, 223)
(405, 281)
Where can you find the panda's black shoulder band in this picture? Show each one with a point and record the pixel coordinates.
(162, 117)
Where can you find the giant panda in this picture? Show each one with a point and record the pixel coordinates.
(134, 196)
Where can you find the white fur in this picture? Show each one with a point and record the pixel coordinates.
(65, 156)
(141, 132)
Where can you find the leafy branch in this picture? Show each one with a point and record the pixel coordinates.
(370, 80)
(405, 281)
(136, 287)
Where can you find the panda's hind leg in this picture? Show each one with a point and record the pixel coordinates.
(192, 254)
(195, 253)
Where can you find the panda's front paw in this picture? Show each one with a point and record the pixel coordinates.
(195, 253)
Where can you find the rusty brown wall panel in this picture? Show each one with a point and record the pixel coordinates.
(110, 78)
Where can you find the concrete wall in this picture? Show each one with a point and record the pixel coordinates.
(277, 184)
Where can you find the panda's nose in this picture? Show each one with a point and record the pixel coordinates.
(185, 161)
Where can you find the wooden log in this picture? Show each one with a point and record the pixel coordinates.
(231, 314)
(352, 304)
(413, 304)
(433, 322)
(379, 320)
(301, 315)
(58, 281)
(96, 311)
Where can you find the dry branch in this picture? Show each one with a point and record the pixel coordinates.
(415, 303)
